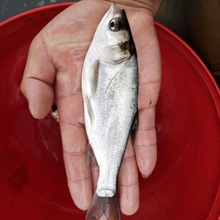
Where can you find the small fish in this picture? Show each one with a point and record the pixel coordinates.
(109, 87)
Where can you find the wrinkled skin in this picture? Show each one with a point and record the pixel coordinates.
(54, 68)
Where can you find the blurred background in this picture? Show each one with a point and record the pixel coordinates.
(196, 21)
(9, 8)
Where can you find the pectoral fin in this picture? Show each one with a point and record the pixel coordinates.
(89, 109)
(93, 74)
(90, 82)
(90, 78)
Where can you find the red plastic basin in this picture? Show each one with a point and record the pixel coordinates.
(185, 183)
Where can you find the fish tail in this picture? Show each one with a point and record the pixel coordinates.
(103, 208)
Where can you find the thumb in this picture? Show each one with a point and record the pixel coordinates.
(38, 79)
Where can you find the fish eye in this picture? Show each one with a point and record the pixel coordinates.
(114, 25)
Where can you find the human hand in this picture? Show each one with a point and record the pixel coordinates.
(53, 71)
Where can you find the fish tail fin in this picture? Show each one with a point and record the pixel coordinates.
(103, 208)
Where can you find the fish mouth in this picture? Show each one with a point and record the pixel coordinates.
(115, 10)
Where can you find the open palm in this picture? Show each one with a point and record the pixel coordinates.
(53, 72)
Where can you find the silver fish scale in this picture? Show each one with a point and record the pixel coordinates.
(114, 107)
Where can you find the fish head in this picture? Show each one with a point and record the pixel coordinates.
(113, 41)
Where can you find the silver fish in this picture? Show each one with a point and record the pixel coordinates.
(109, 87)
